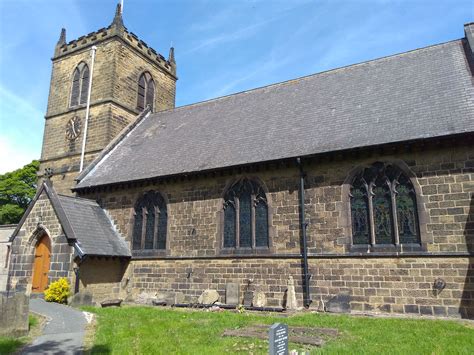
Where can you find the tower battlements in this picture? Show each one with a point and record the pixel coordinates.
(115, 30)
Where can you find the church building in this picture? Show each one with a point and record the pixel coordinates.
(356, 183)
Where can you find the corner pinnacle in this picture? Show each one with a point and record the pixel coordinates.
(171, 56)
(62, 38)
(118, 21)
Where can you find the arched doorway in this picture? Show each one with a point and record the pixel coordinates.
(41, 265)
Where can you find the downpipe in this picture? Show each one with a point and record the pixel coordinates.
(304, 225)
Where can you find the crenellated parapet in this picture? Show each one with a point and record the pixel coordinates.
(115, 30)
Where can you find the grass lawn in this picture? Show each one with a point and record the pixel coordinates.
(146, 330)
(10, 345)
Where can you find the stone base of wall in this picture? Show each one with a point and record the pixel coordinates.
(14, 309)
(390, 285)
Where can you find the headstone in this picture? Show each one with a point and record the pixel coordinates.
(82, 298)
(208, 297)
(144, 298)
(248, 298)
(259, 299)
(339, 303)
(232, 293)
(111, 303)
(278, 339)
(291, 304)
(179, 297)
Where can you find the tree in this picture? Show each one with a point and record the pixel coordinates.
(17, 188)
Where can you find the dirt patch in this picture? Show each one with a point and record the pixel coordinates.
(300, 335)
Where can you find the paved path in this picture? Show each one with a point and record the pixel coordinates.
(64, 332)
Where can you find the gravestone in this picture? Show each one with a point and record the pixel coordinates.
(232, 293)
(82, 298)
(291, 304)
(278, 339)
(208, 297)
(248, 298)
(339, 303)
(259, 299)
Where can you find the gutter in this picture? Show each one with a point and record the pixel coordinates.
(304, 225)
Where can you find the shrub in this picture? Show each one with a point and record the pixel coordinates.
(58, 291)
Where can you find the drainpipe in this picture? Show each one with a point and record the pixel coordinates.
(93, 49)
(77, 270)
(307, 295)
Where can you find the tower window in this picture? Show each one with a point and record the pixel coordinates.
(80, 85)
(245, 216)
(383, 207)
(150, 222)
(146, 91)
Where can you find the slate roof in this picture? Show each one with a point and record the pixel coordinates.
(415, 95)
(84, 223)
(92, 228)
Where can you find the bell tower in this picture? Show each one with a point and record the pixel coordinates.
(126, 76)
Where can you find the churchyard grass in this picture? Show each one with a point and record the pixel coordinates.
(11, 345)
(147, 330)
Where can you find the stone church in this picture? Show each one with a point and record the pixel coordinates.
(356, 183)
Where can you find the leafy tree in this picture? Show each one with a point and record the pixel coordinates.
(17, 188)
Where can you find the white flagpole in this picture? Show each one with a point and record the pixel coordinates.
(93, 49)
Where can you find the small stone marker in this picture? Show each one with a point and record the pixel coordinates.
(232, 293)
(278, 339)
(259, 299)
(248, 298)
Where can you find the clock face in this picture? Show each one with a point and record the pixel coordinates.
(73, 128)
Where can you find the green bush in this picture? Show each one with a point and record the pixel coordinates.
(58, 291)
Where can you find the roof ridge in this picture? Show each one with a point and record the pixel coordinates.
(305, 77)
(76, 198)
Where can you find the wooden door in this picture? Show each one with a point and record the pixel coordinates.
(41, 265)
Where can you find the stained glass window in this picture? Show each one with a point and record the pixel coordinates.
(245, 219)
(382, 215)
(251, 219)
(162, 225)
(150, 227)
(261, 224)
(137, 230)
(386, 190)
(151, 219)
(229, 225)
(406, 213)
(360, 214)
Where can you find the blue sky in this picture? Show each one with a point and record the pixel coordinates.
(222, 46)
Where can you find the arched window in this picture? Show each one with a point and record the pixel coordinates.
(80, 84)
(383, 207)
(146, 91)
(150, 222)
(245, 216)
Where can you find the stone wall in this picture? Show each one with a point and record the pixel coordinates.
(14, 310)
(42, 219)
(5, 233)
(388, 281)
(105, 278)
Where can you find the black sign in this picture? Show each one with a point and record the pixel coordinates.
(278, 339)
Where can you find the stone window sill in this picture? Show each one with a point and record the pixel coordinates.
(387, 248)
(150, 253)
(246, 251)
